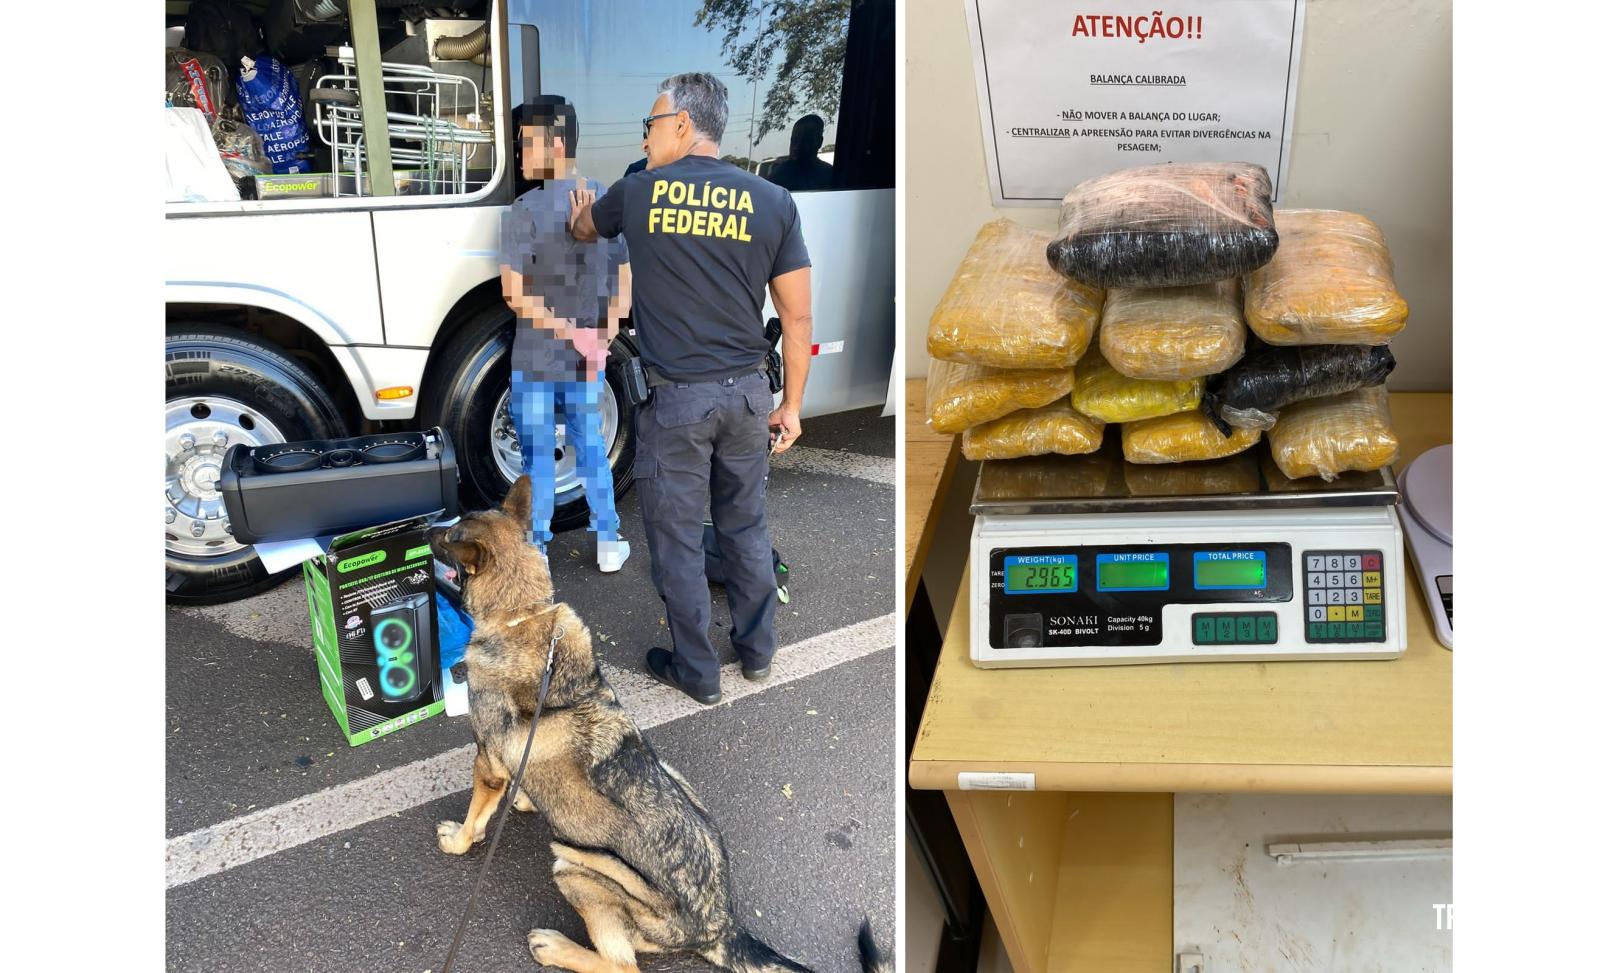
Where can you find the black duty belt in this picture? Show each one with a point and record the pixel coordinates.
(654, 379)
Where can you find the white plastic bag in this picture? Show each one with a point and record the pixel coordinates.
(195, 173)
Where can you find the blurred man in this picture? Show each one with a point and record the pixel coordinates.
(569, 298)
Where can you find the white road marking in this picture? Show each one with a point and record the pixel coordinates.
(238, 841)
(834, 462)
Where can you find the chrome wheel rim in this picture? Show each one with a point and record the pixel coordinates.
(199, 431)
(507, 448)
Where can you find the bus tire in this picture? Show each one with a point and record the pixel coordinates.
(221, 379)
(464, 386)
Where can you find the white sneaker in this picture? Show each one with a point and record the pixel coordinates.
(612, 554)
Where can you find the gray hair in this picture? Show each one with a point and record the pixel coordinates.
(703, 97)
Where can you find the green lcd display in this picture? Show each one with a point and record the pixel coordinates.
(1041, 577)
(1115, 574)
(1230, 574)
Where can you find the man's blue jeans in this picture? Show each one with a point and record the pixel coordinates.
(535, 408)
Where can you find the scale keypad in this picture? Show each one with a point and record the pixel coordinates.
(1344, 596)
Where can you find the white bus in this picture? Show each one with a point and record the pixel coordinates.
(324, 316)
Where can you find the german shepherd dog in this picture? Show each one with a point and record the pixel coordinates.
(636, 852)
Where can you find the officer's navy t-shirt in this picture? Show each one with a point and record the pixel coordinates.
(705, 237)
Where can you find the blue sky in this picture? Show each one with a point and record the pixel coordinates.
(607, 57)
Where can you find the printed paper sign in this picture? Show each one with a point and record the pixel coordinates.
(1069, 91)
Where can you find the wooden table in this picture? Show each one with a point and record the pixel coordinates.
(1078, 873)
(930, 456)
(931, 830)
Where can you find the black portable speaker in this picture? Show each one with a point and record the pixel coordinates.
(286, 491)
(402, 642)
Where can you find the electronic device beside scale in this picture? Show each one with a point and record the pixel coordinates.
(1075, 569)
(1426, 488)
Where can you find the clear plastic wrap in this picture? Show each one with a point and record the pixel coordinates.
(1239, 473)
(1334, 435)
(963, 396)
(1173, 333)
(240, 148)
(1252, 392)
(1331, 283)
(1104, 393)
(1097, 474)
(1005, 307)
(1054, 428)
(1182, 438)
(1167, 225)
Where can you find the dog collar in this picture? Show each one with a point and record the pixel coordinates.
(522, 618)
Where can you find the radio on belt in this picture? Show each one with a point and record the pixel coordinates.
(1288, 569)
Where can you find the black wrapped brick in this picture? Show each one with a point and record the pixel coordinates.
(1166, 226)
(1270, 378)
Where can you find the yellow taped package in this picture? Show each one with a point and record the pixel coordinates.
(1335, 434)
(1173, 333)
(1330, 283)
(1104, 393)
(1006, 307)
(963, 396)
(1182, 438)
(1055, 428)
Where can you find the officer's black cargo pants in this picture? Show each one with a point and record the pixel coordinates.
(698, 442)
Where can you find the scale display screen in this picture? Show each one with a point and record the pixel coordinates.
(1215, 570)
(1041, 574)
(1132, 572)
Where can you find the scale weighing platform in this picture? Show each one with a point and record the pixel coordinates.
(1087, 560)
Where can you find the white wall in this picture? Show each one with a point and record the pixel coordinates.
(1371, 134)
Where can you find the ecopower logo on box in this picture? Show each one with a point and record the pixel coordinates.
(363, 561)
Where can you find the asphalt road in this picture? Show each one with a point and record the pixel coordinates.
(799, 775)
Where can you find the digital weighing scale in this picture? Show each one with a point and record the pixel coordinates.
(1086, 560)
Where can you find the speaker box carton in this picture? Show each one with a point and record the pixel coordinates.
(371, 598)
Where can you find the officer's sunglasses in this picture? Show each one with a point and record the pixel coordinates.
(650, 118)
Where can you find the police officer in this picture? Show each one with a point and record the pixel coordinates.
(707, 241)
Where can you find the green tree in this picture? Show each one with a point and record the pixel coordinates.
(806, 38)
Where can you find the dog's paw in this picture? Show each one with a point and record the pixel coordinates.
(522, 802)
(547, 945)
(451, 840)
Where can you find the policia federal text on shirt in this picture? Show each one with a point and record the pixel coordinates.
(707, 241)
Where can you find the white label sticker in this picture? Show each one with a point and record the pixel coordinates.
(990, 781)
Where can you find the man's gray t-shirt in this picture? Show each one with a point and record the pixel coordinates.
(573, 279)
(705, 237)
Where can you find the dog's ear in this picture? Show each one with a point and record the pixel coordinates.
(518, 504)
(469, 554)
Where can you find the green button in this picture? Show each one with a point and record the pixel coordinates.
(1336, 630)
(1266, 628)
(1225, 629)
(1247, 628)
(1205, 629)
(1375, 630)
(1374, 613)
(1319, 630)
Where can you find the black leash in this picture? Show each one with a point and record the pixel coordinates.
(509, 797)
